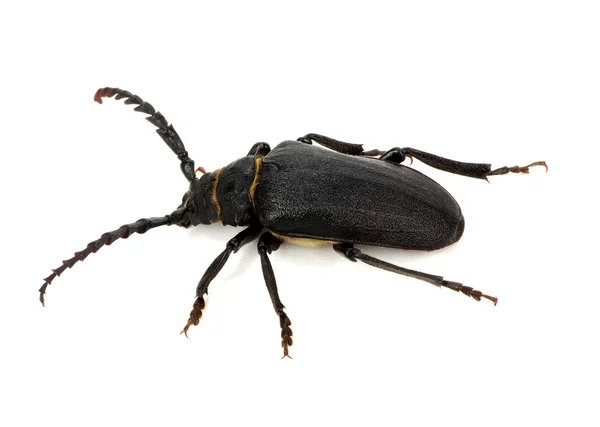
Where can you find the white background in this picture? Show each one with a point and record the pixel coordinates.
(504, 83)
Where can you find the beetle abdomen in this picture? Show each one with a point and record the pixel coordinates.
(305, 191)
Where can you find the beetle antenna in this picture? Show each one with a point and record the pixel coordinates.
(165, 130)
(123, 232)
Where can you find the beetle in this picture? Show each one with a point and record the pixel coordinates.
(340, 195)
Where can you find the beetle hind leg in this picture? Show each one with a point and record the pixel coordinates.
(472, 170)
(349, 251)
(267, 244)
(398, 155)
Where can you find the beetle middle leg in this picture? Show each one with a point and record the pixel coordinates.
(349, 251)
(245, 236)
(267, 244)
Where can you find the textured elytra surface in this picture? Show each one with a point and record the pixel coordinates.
(307, 191)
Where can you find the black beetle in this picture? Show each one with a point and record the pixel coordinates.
(308, 195)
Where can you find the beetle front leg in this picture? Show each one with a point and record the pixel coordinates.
(349, 251)
(246, 236)
(267, 244)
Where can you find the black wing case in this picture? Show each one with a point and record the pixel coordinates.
(306, 191)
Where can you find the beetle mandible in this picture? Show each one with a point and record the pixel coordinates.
(303, 194)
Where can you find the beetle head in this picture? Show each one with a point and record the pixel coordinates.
(199, 200)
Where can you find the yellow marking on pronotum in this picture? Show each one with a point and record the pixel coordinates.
(255, 182)
(304, 241)
(215, 200)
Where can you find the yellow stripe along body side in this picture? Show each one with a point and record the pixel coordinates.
(214, 196)
(304, 241)
(258, 162)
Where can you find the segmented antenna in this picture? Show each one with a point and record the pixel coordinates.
(165, 130)
(123, 232)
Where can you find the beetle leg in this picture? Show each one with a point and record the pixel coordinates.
(332, 144)
(397, 155)
(349, 251)
(259, 149)
(267, 244)
(473, 170)
(246, 236)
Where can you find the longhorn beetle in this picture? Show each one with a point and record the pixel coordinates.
(306, 195)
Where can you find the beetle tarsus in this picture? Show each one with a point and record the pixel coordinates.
(286, 333)
(195, 315)
(286, 353)
(517, 169)
(468, 291)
